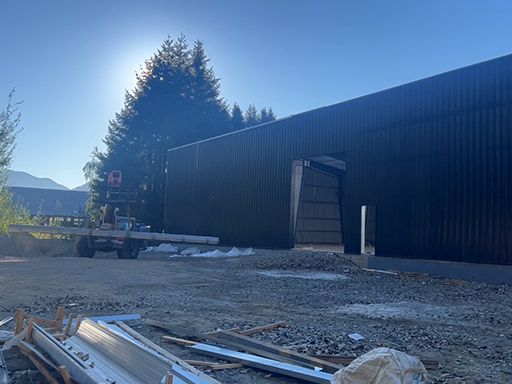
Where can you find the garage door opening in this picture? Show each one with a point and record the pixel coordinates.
(317, 203)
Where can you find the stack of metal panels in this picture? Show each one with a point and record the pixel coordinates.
(99, 354)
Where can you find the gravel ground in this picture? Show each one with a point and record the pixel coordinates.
(323, 297)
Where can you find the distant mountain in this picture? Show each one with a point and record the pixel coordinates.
(24, 179)
(84, 187)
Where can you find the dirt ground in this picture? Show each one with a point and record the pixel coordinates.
(323, 297)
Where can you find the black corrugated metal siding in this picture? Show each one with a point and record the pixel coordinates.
(433, 156)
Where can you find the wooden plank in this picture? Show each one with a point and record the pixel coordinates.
(200, 363)
(263, 328)
(30, 348)
(165, 353)
(271, 351)
(64, 373)
(39, 361)
(59, 318)
(20, 318)
(43, 322)
(176, 330)
(177, 340)
(22, 228)
(78, 322)
(68, 324)
(44, 371)
(219, 367)
(30, 328)
(291, 370)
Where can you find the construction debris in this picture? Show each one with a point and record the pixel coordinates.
(383, 366)
(4, 373)
(96, 352)
(103, 349)
(270, 351)
(298, 372)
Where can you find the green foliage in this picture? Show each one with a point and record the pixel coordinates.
(10, 119)
(237, 118)
(176, 101)
(11, 213)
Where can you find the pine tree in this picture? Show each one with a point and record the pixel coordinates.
(237, 118)
(251, 116)
(266, 115)
(176, 101)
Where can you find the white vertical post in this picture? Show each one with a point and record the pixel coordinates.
(363, 229)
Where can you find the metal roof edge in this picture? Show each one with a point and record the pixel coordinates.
(340, 102)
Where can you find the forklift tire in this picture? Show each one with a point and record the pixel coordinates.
(130, 250)
(83, 248)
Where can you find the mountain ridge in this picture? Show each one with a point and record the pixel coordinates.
(25, 179)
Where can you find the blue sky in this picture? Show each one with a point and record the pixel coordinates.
(71, 61)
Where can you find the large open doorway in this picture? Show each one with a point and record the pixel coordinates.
(317, 203)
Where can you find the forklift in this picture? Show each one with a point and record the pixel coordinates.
(115, 203)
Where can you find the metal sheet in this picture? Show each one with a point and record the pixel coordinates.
(109, 318)
(97, 354)
(286, 369)
(23, 228)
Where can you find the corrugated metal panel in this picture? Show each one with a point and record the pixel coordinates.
(433, 156)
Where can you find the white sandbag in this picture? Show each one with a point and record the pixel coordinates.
(382, 366)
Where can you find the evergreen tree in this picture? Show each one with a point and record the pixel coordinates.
(237, 118)
(266, 115)
(176, 101)
(251, 116)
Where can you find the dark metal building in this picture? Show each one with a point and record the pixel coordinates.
(426, 165)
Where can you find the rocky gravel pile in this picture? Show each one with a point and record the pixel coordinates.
(304, 261)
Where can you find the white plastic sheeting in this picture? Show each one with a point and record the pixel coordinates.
(163, 248)
(382, 366)
(190, 251)
(234, 252)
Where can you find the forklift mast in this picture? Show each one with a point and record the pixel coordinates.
(114, 201)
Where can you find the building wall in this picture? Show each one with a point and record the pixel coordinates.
(433, 157)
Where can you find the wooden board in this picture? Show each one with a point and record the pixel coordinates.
(168, 355)
(271, 351)
(263, 328)
(21, 228)
(302, 373)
